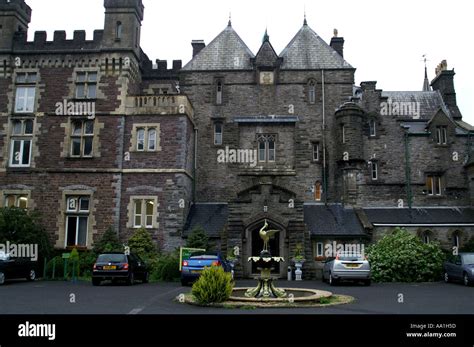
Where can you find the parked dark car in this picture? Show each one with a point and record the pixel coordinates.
(197, 262)
(16, 268)
(119, 266)
(460, 268)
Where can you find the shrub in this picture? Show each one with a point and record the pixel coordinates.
(198, 238)
(213, 286)
(165, 268)
(73, 264)
(108, 243)
(86, 262)
(20, 226)
(59, 267)
(142, 244)
(403, 257)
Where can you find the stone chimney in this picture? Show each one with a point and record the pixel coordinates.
(337, 43)
(198, 45)
(444, 83)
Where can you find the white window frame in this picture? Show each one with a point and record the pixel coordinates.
(374, 171)
(319, 249)
(456, 240)
(82, 137)
(143, 215)
(23, 137)
(266, 140)
(147, 139)
(435, 180)
(316, 148)
(373, 128)
(17, 199)
(218, 136)
(442, 135)
(24, 100)
(76, 212)
(86, 83)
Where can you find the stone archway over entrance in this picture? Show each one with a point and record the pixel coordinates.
(278, 246)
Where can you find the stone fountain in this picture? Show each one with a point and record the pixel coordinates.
(265, 264)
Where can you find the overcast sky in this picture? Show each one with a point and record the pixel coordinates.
(385, 40)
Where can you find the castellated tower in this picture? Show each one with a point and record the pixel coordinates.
(15, 16)
(122, 28)
(350, 121)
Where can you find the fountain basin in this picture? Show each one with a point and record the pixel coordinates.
(293, 295)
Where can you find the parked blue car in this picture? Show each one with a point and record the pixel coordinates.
(197, 262)
(460, 268)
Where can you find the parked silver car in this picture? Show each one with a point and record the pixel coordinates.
(347, 267)
(460, 268)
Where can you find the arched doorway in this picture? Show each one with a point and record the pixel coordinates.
(277, 245)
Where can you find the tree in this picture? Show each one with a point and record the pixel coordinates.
(403, 257)
(21, 227)
(142, 244)
(198, 238)
(108, 243)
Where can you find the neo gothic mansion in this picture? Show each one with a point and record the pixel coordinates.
(94, 135)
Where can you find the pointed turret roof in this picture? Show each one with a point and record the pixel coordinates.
(226, 52)
(426, 82)
(308, 51)
(266, 56)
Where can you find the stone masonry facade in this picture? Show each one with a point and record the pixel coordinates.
(335, 162)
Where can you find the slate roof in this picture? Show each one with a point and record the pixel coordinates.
(428, 216)
(211, 216)
(332, 220)
(430, 102)
(226, 52)
(308, 51)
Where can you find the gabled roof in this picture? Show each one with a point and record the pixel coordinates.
(308, 51)
(430, 102)
(266, 56)
(226, 52)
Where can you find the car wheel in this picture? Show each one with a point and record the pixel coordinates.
(146, 277)
(2, 278)
(332, 281)
(446, 277)
(31, 276)
(466, 280)
(96, 282)
(131, 279)
(367, 282)
(184, 283)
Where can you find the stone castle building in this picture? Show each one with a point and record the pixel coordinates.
(94, 135)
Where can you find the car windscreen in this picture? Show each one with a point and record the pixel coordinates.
(351, 258)
(468, 259)
(112, 258)
(203, 256)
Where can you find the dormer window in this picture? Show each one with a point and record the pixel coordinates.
(442, 135)
(312, 92)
